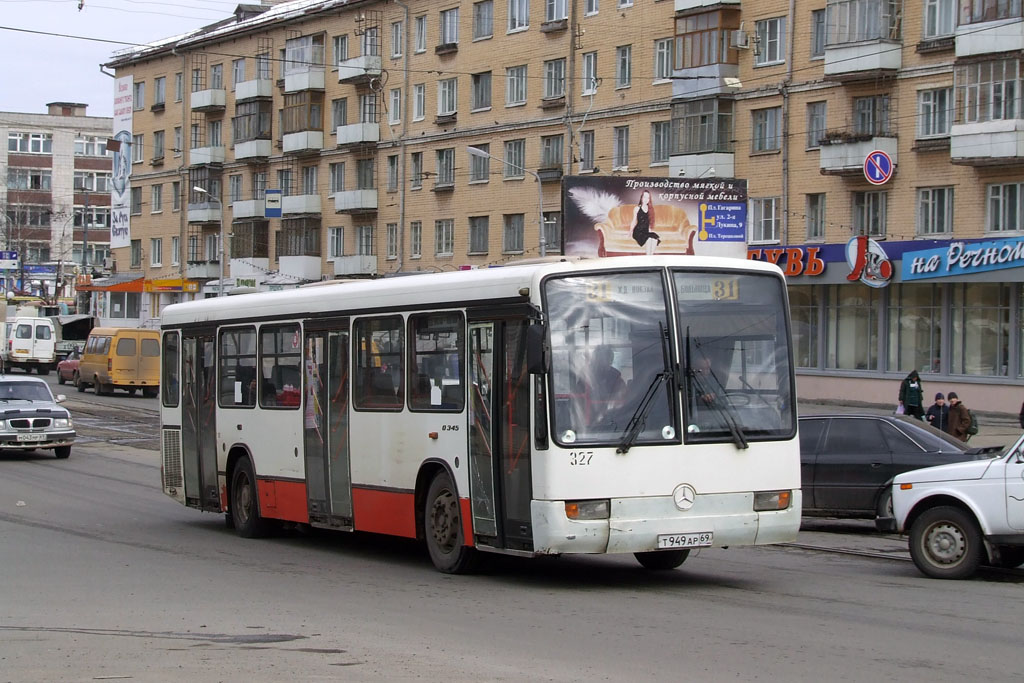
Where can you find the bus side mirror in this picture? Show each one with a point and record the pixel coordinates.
(535, 363)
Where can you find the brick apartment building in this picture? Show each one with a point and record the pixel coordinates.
(362, 114)
(56, 197)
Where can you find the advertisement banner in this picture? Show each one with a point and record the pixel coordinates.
(120, 192)
(620, 216)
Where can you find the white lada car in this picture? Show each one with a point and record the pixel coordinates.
(962, 515)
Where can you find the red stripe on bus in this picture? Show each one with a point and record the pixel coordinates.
(467, 521)
(384, 512)
(283, 500)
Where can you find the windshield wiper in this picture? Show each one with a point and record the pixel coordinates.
(637, 423)
(719, 402)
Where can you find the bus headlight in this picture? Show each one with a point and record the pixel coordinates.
(587, 509)
(772, 500)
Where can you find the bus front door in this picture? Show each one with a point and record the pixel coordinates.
(326, 427)
(499, 443)
(198, 429)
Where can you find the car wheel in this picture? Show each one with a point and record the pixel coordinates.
(662, 560)
(60, 377)
(99, 388)
(79, 384)
(442, 527)
(885, 503)
(945, 543)
(62, 452)
(245, 504)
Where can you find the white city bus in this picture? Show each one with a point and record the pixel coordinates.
(637, 405)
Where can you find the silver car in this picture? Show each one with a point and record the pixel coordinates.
(30, 418)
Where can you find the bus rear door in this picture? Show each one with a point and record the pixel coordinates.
(198, 417)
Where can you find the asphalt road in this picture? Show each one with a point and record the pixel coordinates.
(106, 579)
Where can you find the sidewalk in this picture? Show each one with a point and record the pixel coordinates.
(994, 429)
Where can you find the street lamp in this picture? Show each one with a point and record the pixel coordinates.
(477, 152)
(220, 223)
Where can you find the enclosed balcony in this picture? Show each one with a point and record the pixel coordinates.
(358, 133)
(359, 69)
(845, 155)
(304, 63)
(355, 201)
(204, 212)
(202, 270)
(211, 99)
(357, 264)
(1003, 34)
(990, 143)
(863, 40)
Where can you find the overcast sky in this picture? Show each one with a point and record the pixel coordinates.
(66, 68)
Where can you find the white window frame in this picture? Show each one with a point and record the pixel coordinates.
(554, 78)
(591, 7)
(138, 148)
(156, 198)
(661, 142)
(939, 18)
(589, 73)
(175, 250)
(556, 10)
(392, 241)
(480, 165)
(237, 72)
(817, 122)
(515, 159)
(447, 96)
(420, 35)
(335, 178)
(819, 34)
(518, 15)
(397, 39)
(587, 161)
(1004, 210)
(444, 237)
(449, 26)
(395, 107)
(340, 44)
(419, 101)
(392, 171)
(663, 59)
(934, 211)
(765, 220)
(515, 86)
(415, 239)
(335, 242)
(934, 113)
(483, 19)
(445, 167)
(620, 148)
(815, 216)
(481, 91)
(870, 213)
(771, 35)
(984, 95)
(416, 170)
(766, 130)
(623, 66)
(156, 251)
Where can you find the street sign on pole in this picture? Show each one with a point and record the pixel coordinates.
(272, 204)
(8, 260)
(878, 167)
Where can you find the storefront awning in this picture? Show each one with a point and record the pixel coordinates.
(127, 282)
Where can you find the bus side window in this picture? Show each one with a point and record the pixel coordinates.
(280, 359)
(379, 350)
(437, 361)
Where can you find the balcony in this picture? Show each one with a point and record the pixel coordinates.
(358, 69)
(702, 165)
(312, 79)
(212, 99)
(301, 203)
(262, 88)
(358, 264)
(992, 143)
(305, 142)
(706, 81)
(248, 208)
(684, 5)
(206, 155)
(202, 270)
(253, 149)
(249, 266)
(990, 37)
(549, 174)
(846, 157)
(358, 133)
(303, 267)
(355, 201)
(862, 60)
(204, 212)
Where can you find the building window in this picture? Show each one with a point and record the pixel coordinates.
(939, 18)
(703, 39)
(445, 167)
(303, 111)
(284, 182)
(175, 251)
(419, 101)
(871, 115)
(138, 148)
(136, 254)
(156, 248)
(447, 96)
(213, 129)
(397, 38)
(1005, 207)
(554, 78)
(420, 34)
(555, 10)
(980, 11)
(263, 68)
(450, 26)
(368, 108)
(335, 243)
(981, 311)
(515, 85)
(339, 113)
(851, 21)
(765, 221)
(483, 19)
(869, 213)
(852, 328)
(416, 170)
(934, 210)
(416, 239)
(553, 231)
(804, 307)
(479, 227)
(298, 237)
(444, 237)
(366, 172)
(304, 54)
(512, 234)
(988, 91)
(136, 201)
(816, 122)
(518, 15)
(156, 198)
(176, 195)
(625, 3)
(178, 142)
(515, 158)
(661, 133)
(309, 184)
(340, 44)
(217, 77)
(31, 143)
(42, 179)
(139, 96)
(259, 185)
(771, 36)
(179, 86)
(336, 177)
(364, 241)
(251, 121)
(392, 237)
(623, 66)
(589, 73)
(158, 145)
(85, 146)
(818, 33)
(767, 129)
(702, 126)
(551, 151)
(393, 173)
(935, 112)
(480, 165)
(481, 91)
(395, 106)
(620, 154)
(815, 217)
(663, 59)
(587, 150)
(237, 72)
(159, 90)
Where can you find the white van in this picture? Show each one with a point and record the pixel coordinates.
(31, 344)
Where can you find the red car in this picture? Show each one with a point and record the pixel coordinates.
(67, 369)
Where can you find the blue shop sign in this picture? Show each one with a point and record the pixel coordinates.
(962, 258)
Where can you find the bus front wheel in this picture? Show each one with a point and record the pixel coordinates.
(662, 560)
(442, 526)
(245, 506)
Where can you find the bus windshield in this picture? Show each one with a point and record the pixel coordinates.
(610, 359)
(734, 356)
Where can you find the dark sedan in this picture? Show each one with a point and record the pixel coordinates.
(847, 462)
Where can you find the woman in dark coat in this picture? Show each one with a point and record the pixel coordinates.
(643, 216)
(912, 395)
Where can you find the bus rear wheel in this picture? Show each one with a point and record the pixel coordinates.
(662, 560)
(442, 526)
(245, 505)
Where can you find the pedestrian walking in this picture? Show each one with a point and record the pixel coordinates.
(912, 395)
(938, 413)
(959, 418)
